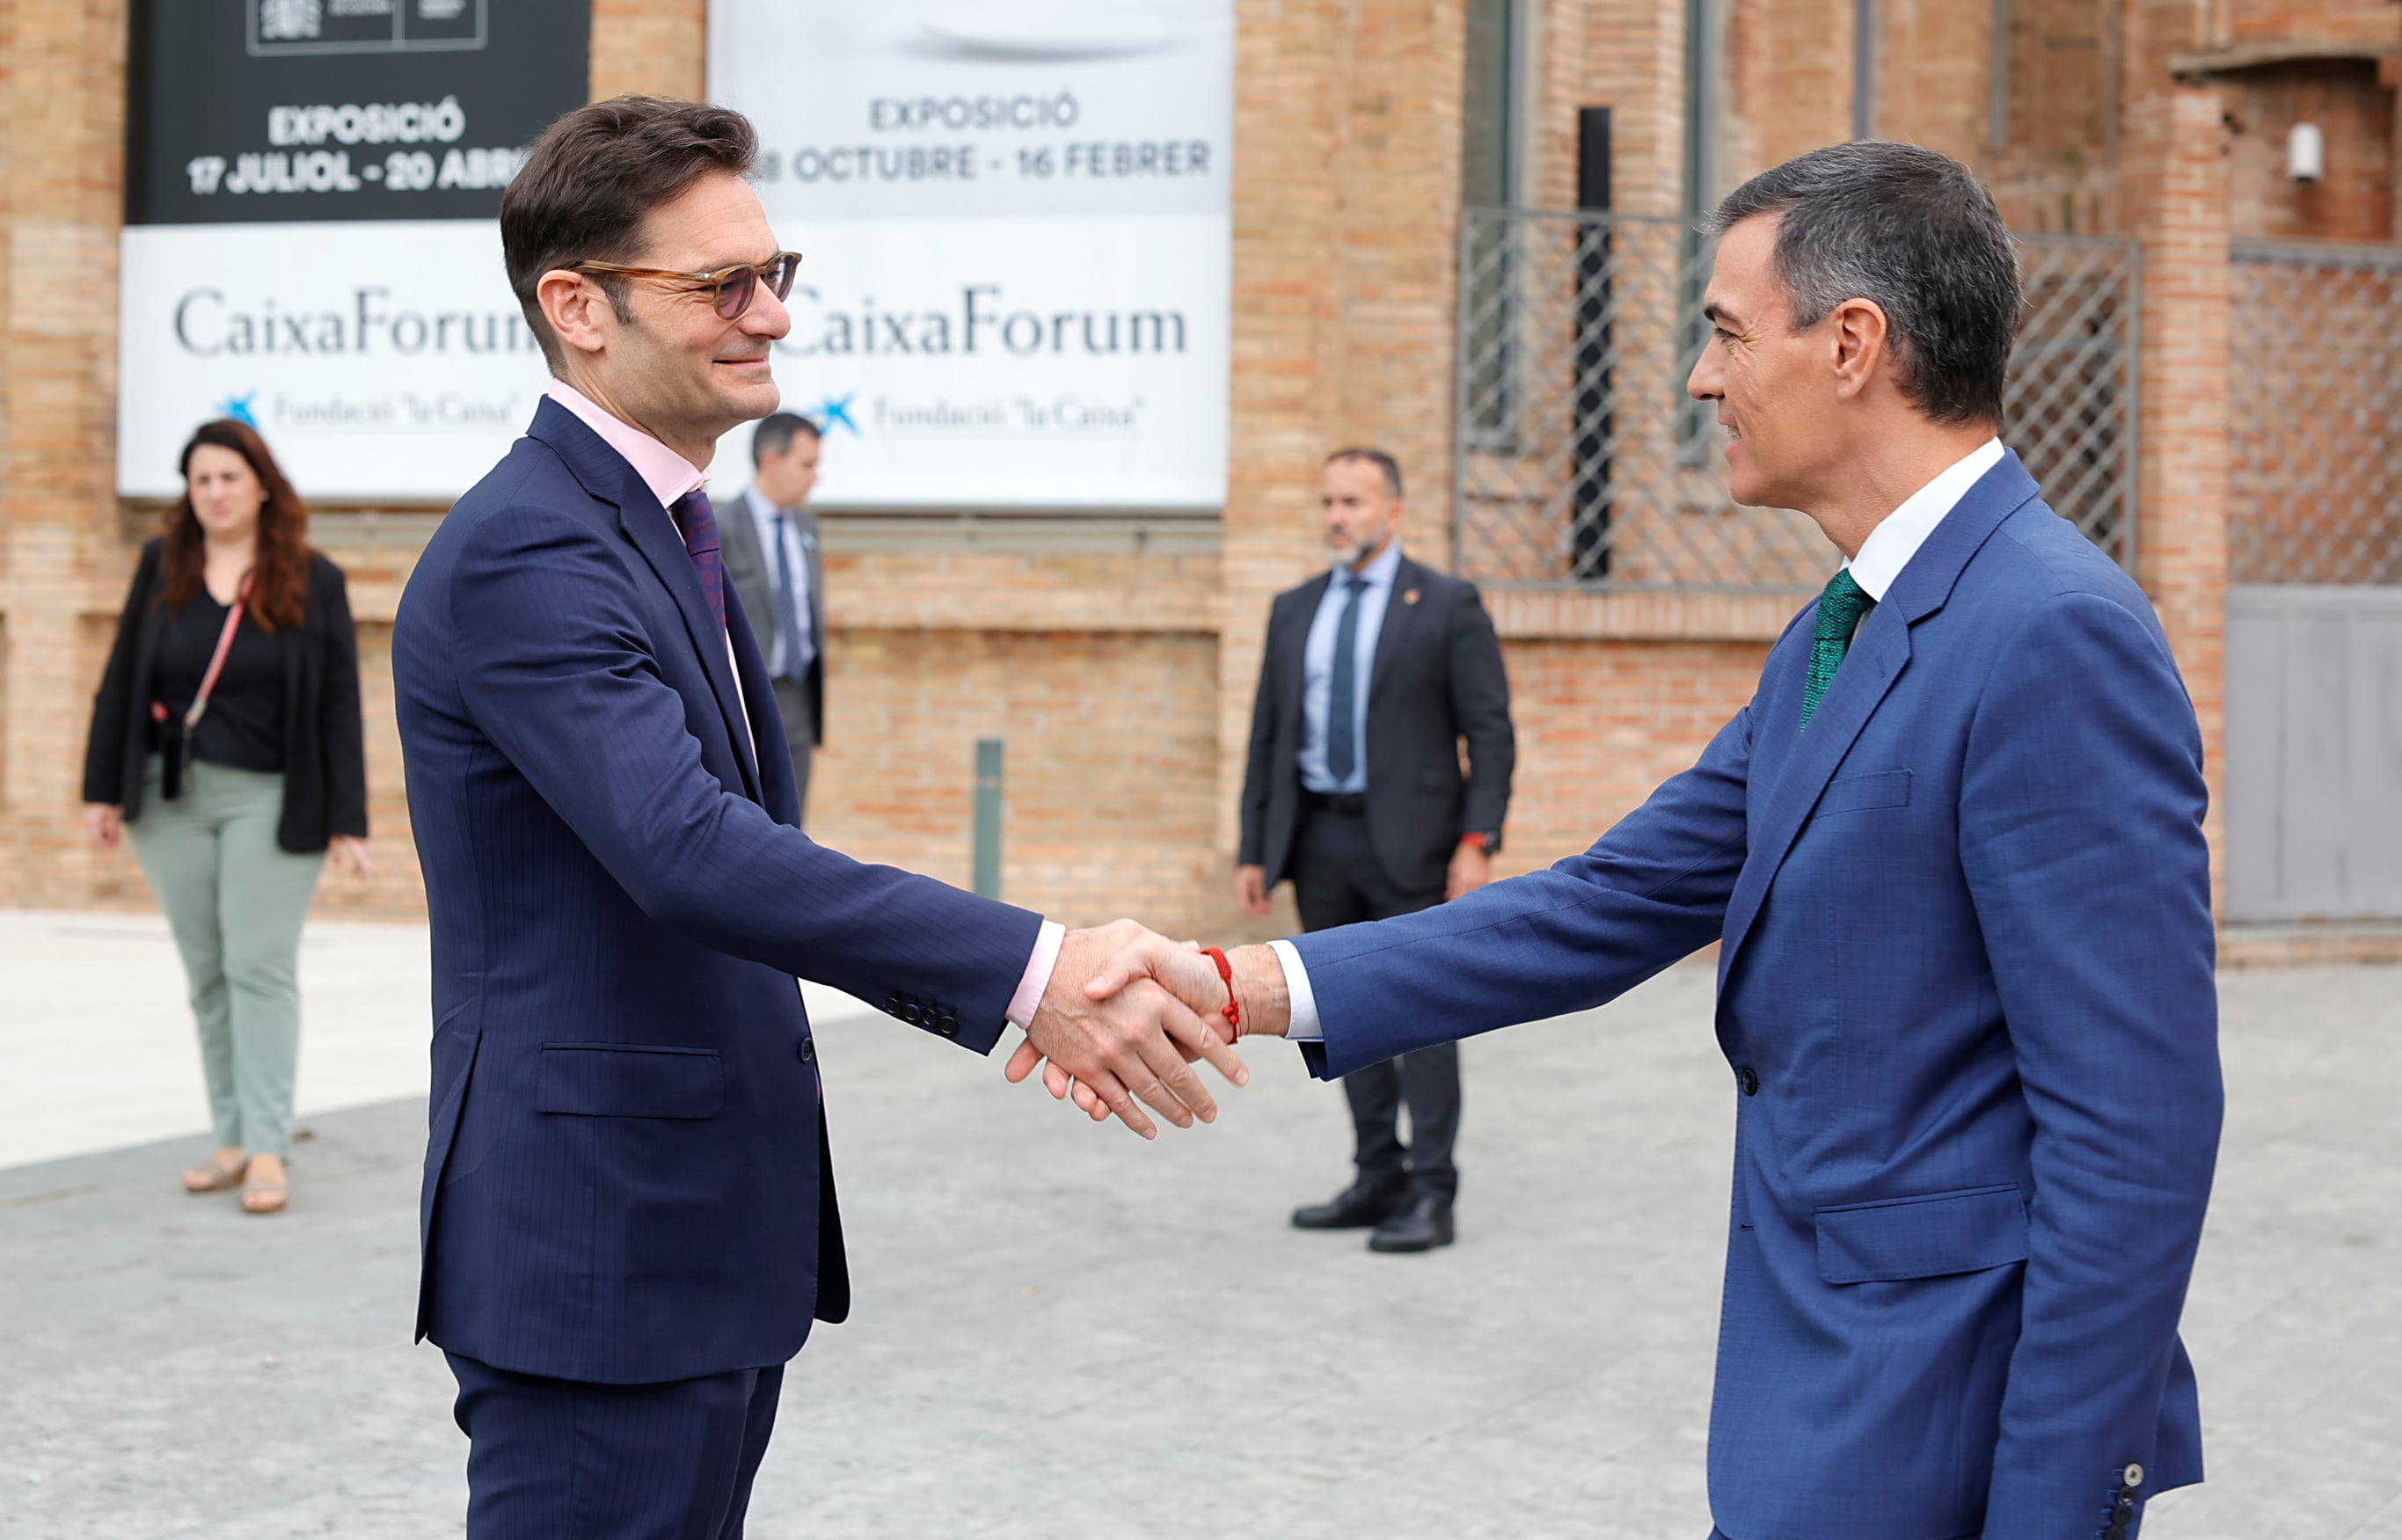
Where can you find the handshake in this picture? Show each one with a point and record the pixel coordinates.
(1129, 1012)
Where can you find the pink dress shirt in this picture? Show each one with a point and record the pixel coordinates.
(669, 476)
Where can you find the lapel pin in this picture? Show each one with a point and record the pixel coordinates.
(1411, 596)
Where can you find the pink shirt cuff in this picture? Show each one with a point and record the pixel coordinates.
(1029, 997)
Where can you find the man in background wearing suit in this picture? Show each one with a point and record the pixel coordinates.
(1952, 853)
(771, 560)
(1375, 673)
(628, 1217)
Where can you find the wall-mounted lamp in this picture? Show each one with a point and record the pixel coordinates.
(2306, 153)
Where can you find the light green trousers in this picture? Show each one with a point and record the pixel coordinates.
(235, 901)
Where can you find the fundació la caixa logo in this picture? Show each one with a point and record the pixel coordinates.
(833, 412)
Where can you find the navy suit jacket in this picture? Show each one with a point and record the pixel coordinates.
(628, 1177)
(1967, 991)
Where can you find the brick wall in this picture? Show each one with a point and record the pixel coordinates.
(1121, 678)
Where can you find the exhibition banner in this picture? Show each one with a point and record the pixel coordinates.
(1014, 222)
(311, 242)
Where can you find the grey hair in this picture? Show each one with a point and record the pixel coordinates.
(1913, 232)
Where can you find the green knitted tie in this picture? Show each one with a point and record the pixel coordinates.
(1841, 605)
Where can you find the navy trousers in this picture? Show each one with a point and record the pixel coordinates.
(566, 1460)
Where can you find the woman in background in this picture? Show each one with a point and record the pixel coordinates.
(226, 742)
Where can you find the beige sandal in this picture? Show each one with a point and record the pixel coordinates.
(215, 1177)
(266, 1195)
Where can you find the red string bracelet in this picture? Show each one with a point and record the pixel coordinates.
(1234, 1012)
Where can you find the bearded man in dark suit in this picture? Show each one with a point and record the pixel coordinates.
(1376, 672)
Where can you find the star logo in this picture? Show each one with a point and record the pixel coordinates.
(238, 408)
(835, 410)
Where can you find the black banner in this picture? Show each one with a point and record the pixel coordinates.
(278, 111)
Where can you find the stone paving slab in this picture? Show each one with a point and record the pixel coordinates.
(1062, 1331)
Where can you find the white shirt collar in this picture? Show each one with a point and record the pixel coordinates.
(1894, 542)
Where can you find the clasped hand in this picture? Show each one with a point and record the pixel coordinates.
(1127, 1015)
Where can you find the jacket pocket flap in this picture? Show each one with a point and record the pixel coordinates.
(1859, 794)
(629, 1080)
(1922, 1237)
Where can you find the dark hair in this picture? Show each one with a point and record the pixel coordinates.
(1913, 231)
(594, 174)
(279, 585)
(775, 435)
(1379, 459)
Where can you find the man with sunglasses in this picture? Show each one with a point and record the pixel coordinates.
(628, 1217)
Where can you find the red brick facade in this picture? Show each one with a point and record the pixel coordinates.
(1120, 663)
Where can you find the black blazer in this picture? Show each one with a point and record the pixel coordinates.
(1438, 679)
(324, 743)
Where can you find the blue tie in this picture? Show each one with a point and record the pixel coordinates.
(788, 617)
(1341, 756)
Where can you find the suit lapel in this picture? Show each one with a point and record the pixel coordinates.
(605, 474)
(1408, 580)
(1877, 657)
(653, 532)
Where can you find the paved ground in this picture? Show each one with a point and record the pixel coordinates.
(1040, 1297)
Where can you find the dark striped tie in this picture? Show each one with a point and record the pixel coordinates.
(699, 525)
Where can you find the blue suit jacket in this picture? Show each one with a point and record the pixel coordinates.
(627, 1179)
(1967, 992)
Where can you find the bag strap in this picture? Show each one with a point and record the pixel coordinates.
(217, 660)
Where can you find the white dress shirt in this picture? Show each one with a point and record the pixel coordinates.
(1882, 557)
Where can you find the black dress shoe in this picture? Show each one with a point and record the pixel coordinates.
(1421, 1224)
(1356, 1207)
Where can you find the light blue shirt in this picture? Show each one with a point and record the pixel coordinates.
(1318, 671)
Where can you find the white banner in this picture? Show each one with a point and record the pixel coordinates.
(378, 358)
(1015, 221)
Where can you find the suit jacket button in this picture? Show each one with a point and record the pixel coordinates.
(1749, 1079)
(809, 1051)
(909, 1013)
(2133, 1475)
(892, 1005)
(948, 1027)
(2116, 1532)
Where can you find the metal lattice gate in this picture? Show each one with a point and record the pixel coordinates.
(1579, 462)
(2314, 618)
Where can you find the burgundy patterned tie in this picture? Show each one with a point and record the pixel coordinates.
(698, 527)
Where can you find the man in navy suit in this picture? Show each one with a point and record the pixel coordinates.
(628, 1217)
(1953, 852)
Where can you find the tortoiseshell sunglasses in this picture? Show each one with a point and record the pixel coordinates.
(731, 289)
